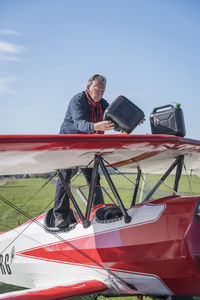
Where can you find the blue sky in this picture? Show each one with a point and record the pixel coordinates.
(149, 51)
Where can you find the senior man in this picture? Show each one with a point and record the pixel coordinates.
(84, 116)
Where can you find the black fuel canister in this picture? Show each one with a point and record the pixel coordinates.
(124, 114)
(168, 119)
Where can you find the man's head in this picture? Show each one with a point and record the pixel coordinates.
(96, 86)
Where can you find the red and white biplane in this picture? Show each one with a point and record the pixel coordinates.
(151, 248)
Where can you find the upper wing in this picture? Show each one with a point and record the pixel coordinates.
(22, 154)
(57, 292)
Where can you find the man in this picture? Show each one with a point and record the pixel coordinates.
(84, 115)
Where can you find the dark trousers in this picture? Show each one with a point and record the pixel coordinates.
(62, 203)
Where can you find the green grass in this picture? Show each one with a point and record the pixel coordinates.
(19, 192)
(23, 193)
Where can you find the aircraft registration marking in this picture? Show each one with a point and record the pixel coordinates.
(4, 264)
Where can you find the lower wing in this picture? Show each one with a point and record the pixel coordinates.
(57, 292)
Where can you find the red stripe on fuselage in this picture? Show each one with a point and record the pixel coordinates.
(133, 248)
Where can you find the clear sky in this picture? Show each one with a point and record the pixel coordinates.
(149, 51)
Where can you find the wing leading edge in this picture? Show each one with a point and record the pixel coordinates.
(57, 292)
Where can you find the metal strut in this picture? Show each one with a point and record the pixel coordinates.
(137, 183)
(178, 172)
(91, 193)
(127, 218)
(178, 162)
(70, 195)
(98, 161)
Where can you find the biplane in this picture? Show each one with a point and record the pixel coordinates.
(149, 248)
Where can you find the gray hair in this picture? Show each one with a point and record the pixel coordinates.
(97, 77)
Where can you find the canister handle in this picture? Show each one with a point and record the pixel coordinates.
(160, 107)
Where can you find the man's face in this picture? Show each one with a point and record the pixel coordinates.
(96, 90)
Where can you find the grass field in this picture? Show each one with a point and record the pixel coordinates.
(24, 194)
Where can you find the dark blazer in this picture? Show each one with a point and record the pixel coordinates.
(77, 118)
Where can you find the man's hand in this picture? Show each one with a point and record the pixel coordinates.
(103, 126)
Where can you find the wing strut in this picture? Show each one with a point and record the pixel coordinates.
(178, 172)
(178, 162)
(70, 195)
(137, 183)
(127, 218)
(98, 161)
(91, 191)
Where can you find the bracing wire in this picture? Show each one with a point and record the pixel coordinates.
(34, 194)
(122, 174)
(142, 190)
(189, 178)
(24, 214)
(34, 220)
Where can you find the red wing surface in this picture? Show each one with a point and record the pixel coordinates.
(22, 154)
